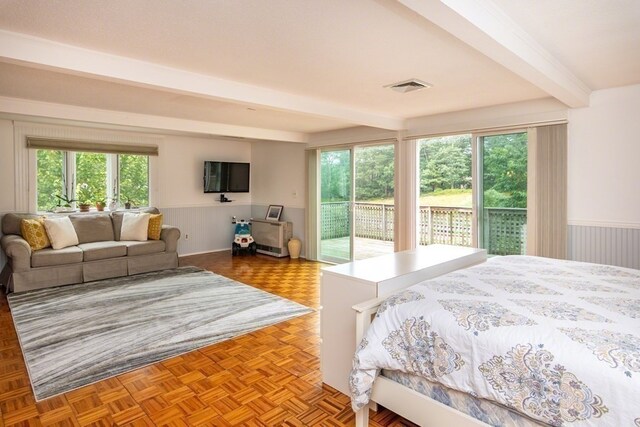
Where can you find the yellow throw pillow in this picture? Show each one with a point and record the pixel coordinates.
(155, 226)
(34, 233)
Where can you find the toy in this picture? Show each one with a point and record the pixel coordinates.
(243, 241)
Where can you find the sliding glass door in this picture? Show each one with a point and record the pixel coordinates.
(445, 214)
(373, 207)
(356, 209)
(336, 213)
(502, 193)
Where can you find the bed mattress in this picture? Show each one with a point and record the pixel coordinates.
(488, 412)
(557, 341)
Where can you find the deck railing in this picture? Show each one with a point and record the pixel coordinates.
(504, 228)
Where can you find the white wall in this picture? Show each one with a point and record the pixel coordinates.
(181, 165)
(278, 177)
(604, 160)
(278, 174)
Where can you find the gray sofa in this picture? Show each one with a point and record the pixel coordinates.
(99, 255)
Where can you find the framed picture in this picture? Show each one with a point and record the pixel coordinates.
(274, 212)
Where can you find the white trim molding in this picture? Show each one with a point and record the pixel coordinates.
(24, 49)
(608, 224)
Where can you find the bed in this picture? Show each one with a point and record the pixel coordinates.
(516, 341)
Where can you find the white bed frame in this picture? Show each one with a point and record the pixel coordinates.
(402, 400)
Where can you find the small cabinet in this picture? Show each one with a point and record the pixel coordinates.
(271, 237)
(345, 285)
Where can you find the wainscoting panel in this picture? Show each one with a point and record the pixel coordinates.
(204, 228)
(605, 245)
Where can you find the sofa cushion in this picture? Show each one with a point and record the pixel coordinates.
(135, 226)
(117, 216)
(34, 233)
(144, 248)
(12, 222)
(48, 257)
(61, 232)
(155, 227)
(93, 228)
(102, 250)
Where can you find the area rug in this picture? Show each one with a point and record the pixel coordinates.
(76, 335)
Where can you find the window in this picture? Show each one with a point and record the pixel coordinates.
(133, 171)
(91, 177)
(64, 177)
(50, 179)
(447, 214)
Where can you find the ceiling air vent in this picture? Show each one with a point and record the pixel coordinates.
(409, 85)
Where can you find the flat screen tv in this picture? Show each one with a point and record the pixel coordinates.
(226, 177)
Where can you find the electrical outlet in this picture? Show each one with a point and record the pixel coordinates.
(186, 237)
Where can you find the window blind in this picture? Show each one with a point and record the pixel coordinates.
(90, 146)
(547, 192)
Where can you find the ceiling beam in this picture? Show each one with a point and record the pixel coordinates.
(482, 25)
(45, 54)
(24, 107)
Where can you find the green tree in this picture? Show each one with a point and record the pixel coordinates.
(445, 163)
(91, 177)
(134, 179)
(505, 170)
(374, 172)
(335, 176)
(50, 182)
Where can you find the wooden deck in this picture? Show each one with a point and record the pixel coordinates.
(363, 248)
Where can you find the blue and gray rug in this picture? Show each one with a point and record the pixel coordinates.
(77, 335)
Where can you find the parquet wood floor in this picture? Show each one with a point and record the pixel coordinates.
(267, 378)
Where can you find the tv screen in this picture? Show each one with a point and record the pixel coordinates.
(226, 177)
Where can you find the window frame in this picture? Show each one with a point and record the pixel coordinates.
(69, 166)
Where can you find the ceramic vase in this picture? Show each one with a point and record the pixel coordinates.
(294, 246)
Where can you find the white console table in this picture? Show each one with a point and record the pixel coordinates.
(343, 286)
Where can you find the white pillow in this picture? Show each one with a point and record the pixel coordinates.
(61, 232)
(135, 226)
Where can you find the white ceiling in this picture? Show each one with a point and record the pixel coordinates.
(304, 66)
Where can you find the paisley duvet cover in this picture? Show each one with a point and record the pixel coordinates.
(558, 341)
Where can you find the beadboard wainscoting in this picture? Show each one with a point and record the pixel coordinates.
(295, 215)
(204, 228)
(605, 245)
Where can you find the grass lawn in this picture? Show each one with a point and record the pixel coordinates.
(449, 198)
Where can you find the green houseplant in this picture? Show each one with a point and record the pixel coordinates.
(129, 203)
(85, 197)
(101, 204)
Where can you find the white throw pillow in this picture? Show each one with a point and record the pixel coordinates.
(61, 232)
(135, 226)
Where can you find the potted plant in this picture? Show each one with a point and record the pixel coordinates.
(128, 203)
(64, 203)
(85, 196)
(101, 204)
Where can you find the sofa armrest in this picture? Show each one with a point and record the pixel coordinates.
(18, 250)
(170, 235)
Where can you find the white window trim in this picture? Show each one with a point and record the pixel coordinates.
(112, 177)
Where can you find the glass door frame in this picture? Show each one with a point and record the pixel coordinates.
(477, 174)
(352, 149)
(321, 256)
